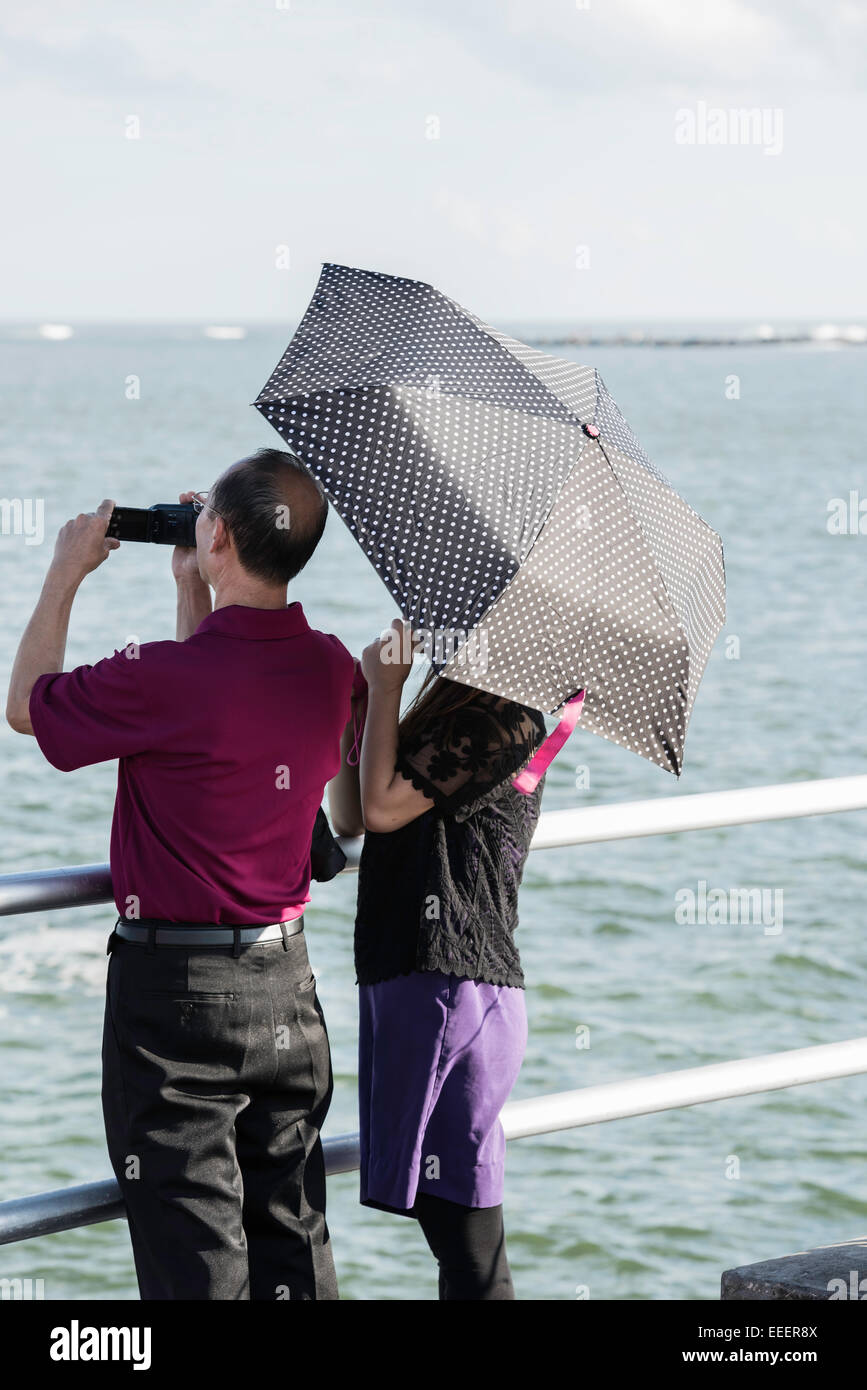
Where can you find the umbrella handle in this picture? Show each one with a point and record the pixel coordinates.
(544, 755)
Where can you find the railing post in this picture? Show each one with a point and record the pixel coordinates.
(828, 1272)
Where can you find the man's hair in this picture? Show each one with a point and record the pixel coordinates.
(275, 511)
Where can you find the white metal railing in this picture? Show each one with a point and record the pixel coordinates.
(47, 889)
(673, 1090)
(700, 811)
(38, 890)
(25, 1217)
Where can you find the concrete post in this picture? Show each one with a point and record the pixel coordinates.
(828, 1272)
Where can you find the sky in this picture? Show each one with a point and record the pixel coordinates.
(534, 159)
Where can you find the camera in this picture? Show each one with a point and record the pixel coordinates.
(165, 523)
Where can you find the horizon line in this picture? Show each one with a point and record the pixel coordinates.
(229, 321)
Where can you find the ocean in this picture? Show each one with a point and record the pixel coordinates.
(760, 440)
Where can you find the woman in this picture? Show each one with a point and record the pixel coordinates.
(442, 1022)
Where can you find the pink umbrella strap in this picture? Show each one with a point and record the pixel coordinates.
(544, 755)
(359, 689)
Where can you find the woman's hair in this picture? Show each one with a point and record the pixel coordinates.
(440, 698)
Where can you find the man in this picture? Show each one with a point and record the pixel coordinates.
(216, 1064)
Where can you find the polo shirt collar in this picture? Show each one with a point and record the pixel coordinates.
(256, 624)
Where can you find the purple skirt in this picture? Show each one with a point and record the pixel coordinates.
(437, 1058)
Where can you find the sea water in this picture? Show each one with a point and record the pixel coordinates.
(760, 439)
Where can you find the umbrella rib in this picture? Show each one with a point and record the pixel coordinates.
(613, 471)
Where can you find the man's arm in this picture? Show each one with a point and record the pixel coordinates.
(81, 546)
(194, 595)
(194, 604)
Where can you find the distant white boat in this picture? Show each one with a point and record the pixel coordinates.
(765, 331)
(826, 333)
(224, 332)
(855, 333)
(56, 331)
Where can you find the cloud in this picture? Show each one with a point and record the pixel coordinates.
(614, 45)
(501, 226)
(101, 65)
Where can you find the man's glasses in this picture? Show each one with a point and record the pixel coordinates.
(200, 502)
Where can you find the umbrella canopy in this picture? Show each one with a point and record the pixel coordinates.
(507, 506)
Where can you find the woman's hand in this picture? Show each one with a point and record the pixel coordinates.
(388, 799)
(387, 662)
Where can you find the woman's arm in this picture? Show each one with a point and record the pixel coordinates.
(344, 792)
(388, 799)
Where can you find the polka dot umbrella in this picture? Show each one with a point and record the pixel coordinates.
(506, 504)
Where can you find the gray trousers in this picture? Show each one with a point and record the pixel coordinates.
(216, 1080)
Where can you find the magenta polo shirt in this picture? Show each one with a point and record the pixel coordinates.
(225, 743)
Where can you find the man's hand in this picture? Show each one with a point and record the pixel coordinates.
(82, 544)
(185, 559)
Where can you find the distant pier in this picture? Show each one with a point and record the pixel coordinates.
(851, 338)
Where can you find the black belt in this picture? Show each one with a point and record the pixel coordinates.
(150, 933)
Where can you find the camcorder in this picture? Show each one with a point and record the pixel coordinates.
(165, 523)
